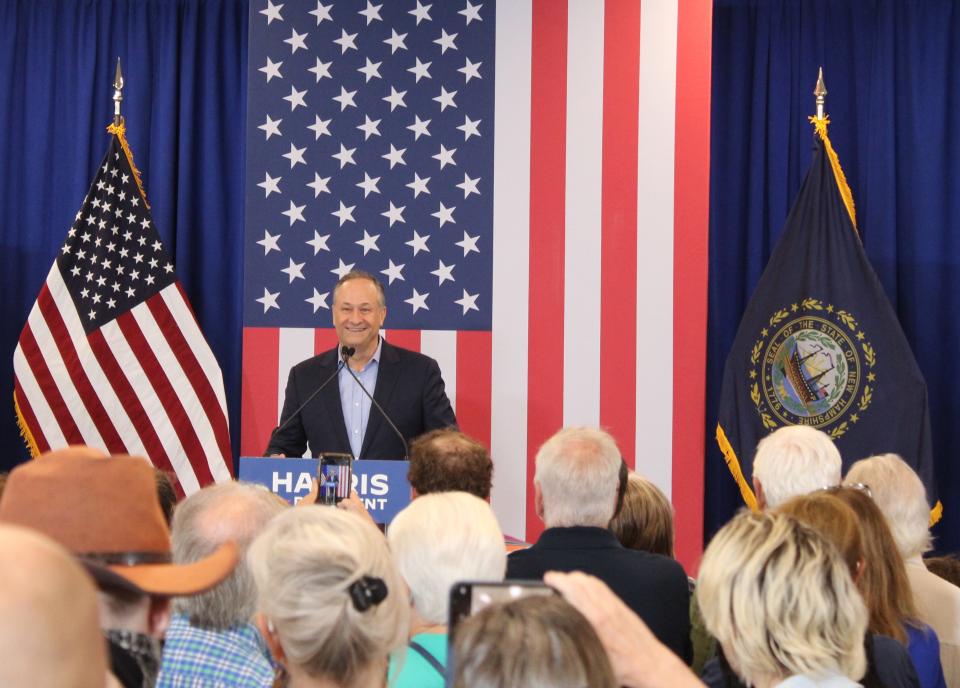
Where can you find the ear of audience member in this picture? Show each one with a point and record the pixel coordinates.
(167, 494)
(447, 460)
(48, 616)
(535, 642)
(645, 521)
(792, 461)
(781, 602)
(438, 540)
(331, 604)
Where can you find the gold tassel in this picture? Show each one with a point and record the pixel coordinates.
(734, 465)
(120, 131)
(821, 127)
(25, 430)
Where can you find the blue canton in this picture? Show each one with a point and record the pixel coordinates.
(199, 658)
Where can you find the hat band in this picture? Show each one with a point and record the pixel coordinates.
(127, 558)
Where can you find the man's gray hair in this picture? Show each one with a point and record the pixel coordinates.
(201, 523)
(795, 460)
(578, 471)
(901, 496)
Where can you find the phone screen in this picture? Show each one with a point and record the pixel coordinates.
(468, 598)
(334, 477)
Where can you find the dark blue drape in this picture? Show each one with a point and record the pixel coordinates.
(892, 69)
(184, 63)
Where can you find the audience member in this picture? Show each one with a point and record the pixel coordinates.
(48, 616)
(534, 642)
(447, 461)
(211, 639)
(575, 492)
(645, 521)
(781, 603)
(438, 540)
(331, 604)
(889, 664)
(886, 589)
(791, 461)
(106, 511)
(902, 499)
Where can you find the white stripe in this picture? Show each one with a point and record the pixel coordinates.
(296, 344)
(196, 414)
(61, 378)
(584, 149)
(156, 414)
(658, 63)
(441, 345)
(198, 343)
(511, 267)
(41, 410)
(91, 366)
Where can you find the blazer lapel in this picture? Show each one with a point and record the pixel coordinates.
(387, 374)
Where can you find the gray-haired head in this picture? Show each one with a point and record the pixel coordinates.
(792, 461)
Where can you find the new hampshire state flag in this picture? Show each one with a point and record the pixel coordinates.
(819, 343)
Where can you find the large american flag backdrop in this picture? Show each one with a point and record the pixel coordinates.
(530, 181)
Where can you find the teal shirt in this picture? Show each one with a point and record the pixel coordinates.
(417, 672)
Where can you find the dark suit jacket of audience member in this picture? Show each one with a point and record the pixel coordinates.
(409, 388)
(653, 586)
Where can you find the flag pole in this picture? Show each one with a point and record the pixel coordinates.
(820, 91)
(117, 95)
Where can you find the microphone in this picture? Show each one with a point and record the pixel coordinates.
(345, 353)
(340, 365)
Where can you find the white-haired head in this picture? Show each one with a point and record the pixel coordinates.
(442, 538)
(899, 492)
(792, 461)
(577, 476)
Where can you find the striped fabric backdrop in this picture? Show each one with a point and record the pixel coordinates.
(600, 216)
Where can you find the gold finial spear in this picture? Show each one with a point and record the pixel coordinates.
(117, 95)
(821, 93)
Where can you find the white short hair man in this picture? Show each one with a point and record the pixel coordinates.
(902, 498)
(221, 618)
(575, 491)
(792, 461)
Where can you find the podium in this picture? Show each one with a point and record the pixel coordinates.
(382, 485)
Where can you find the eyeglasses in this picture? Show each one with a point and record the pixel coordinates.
(862, 487)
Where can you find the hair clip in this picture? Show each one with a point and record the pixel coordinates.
(366, 592)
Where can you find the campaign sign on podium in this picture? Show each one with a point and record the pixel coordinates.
(382, 485)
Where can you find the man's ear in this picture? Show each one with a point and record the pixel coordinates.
(538, 501)
(758, 491)
(270, 636)
(159, 618)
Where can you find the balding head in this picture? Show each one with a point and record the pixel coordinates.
(48, 616)
(450, 461)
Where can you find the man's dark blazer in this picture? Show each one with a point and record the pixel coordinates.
(653, 586)
(409, 388)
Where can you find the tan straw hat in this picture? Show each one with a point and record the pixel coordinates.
(106, 511)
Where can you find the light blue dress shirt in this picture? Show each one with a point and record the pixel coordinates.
(355, 404)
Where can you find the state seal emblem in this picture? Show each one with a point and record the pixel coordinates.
(812, 365)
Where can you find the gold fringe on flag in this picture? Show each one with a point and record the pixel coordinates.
(25, 430)
(734, 465)
(821, 128)
(120, 131)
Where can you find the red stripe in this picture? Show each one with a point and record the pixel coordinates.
(258, 389)
(691, 212)
(182, 425)
(324, 339)
(141, 422)
(474, 362)
(194, 372)
(408, 339)
(48, 387)
(548, 125)
(114, 444)
(618, 202)
(29, 417)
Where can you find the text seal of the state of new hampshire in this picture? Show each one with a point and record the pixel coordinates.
(812, 365)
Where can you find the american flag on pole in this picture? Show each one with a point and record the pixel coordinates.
(529, 178)
(111, 355)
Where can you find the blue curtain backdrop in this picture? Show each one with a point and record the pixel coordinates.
(184, 64)
(892, 69)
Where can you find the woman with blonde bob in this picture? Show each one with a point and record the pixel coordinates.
(780, 600)
(331, 605)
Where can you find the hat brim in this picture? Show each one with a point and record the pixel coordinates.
(168, 579)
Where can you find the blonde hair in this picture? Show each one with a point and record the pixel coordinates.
(443, 538)
(304, 563)
(901, 496)
(780, 600)
(645, 521)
